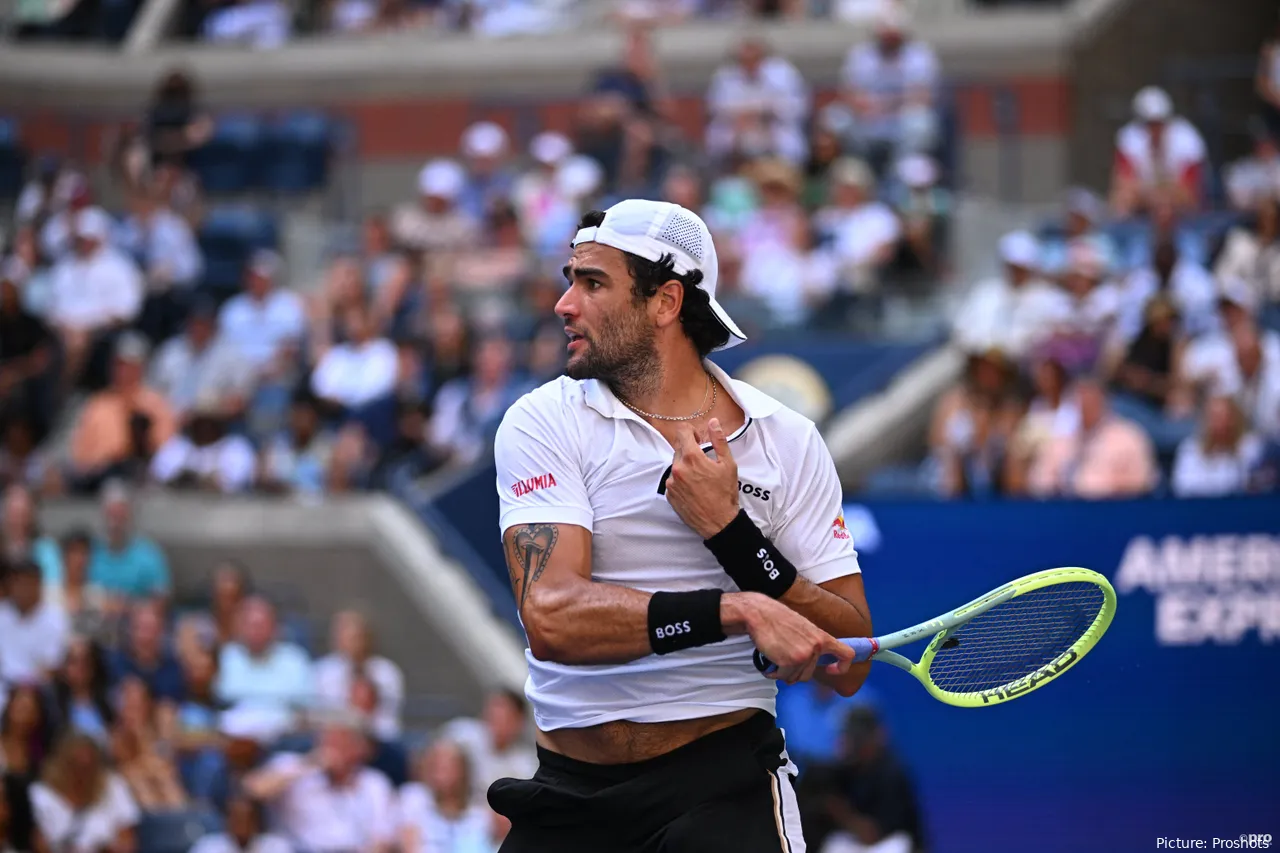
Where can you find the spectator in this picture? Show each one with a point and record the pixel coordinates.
(1244, 362)
(11, 839)
(265, 681)
(862, 231)
(1254, 179)
(1083, 317)
(579, 180)
(1084, 221)
(231, 586)
(866, 802)
(1051, 412)
(440, 811)
(1105, 456)
(972, 426)
(489, 179)
(1251, 252)
(1188, 285)
(259, 24)
(125, 563)
(146, 657)
(351, 642)
(264, 322)
(39, 197)
(1146, 367)
(619, 123)
(196, 740)
(22, 462)
(1221, 460)
(164, 246)
(80, 691)
(327, 801)
(246, 831)
(301, 459)
(360, 372)
(494, 267)
(1267, 81)
(72, 195)
(25, 737)
(96, 292)
(534, 193)
(467, 411)
(139, 753)
(35, 632)
(813, 716)
(206, 456)
(890, 84)
(28, 369)
(757, 106)
(80, 805)
(121, 426)
(176, 125)
(388, 273)
(84, 603)
(1159, 157)
(923, 208)
(21, 535)
(1012, 310)
(450, 350)
(200, 365)
(435, 222)
(496, 745)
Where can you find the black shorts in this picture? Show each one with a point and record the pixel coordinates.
(728, 792)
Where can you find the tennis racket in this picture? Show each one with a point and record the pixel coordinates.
(1011, 641)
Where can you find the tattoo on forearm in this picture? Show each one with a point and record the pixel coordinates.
(531, 548)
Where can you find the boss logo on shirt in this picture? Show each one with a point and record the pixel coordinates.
(754, 491)
(520, 488)
(673, 630)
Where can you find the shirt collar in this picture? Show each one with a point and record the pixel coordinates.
(754, 403)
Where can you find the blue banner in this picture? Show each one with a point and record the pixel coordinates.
(1170, 728)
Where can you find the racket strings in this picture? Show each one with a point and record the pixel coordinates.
(1017, 638)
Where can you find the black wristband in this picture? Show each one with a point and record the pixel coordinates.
(682, 620)
(747, 556)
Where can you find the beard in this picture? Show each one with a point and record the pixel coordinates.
(621, 353)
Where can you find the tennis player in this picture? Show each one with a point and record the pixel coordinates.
(660, 520)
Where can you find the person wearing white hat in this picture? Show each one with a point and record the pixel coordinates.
(757, 105)
(660, 521)
(95, 290)
(1085, 214)
(434, 222)
(1010, 310)
(485, 150)
(1158, 154)
(534, 194)
(890, 84)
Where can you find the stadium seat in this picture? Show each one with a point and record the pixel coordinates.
(227, 237)
(12, 158)
(175, 832)
(298, 146)
(231, 161)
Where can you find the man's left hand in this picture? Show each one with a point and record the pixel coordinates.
(704, 491)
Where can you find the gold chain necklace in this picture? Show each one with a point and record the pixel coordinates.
(712, 392)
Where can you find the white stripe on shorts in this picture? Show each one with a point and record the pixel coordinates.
(786, 812)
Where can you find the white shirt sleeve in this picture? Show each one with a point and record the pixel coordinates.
(813, 535)
(124, 811)
(52, 815)
(540, 476)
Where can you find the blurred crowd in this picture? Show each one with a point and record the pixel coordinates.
(117, 360)
(1133, 346)
(128, 713)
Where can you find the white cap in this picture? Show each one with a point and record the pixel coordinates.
(442, 179)
(917, 170)
(484, 139)
(266, 263)
(1238, 292)
(93, 223)
(1152, 104)
(549, 147)
(579, 177)
(1086, 203)
(892, 18)
(1020, 249)
(654, 229)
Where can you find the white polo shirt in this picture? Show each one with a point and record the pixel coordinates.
(571, 453)
(318, 816)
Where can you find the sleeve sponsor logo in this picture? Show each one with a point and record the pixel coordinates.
(520, 488)
(838, 530)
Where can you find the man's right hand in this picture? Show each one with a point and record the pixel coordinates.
(783, 636)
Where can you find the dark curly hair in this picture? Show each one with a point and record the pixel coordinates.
(696, 318)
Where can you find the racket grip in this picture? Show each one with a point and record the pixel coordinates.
(863, 649)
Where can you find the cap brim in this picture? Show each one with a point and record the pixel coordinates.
(735, 334)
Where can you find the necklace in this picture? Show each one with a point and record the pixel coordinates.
(711, 392)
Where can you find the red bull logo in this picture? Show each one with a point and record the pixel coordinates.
(838, 530)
